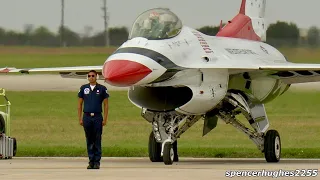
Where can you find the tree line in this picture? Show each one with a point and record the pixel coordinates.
(42, 36)
(278, 34)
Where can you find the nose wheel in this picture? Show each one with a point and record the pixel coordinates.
(154, 149)
(167, 127)
(168, 153)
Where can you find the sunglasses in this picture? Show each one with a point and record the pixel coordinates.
(91, 75)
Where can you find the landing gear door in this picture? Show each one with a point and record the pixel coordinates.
(258, 113)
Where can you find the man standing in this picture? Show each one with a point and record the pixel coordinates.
(93, 95)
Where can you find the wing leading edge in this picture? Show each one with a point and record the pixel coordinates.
(54, 69)
(66, 72)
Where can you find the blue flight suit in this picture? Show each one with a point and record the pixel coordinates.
(92, 119)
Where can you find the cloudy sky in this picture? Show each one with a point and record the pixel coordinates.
(14, 14)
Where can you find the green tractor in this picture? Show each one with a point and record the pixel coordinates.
(8, 145)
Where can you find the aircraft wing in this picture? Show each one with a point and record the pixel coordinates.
(68, 72)
(293, 73)
(290, 73)
(54, 69)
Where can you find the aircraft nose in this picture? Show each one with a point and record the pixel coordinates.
(124, 73)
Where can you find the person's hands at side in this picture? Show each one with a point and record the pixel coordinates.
(104, 122)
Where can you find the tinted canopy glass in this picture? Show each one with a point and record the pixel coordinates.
(156, 24)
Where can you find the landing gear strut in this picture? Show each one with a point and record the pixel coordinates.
(269, 143)
(167, 127)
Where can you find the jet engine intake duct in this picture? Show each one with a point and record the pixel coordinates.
(160, 98)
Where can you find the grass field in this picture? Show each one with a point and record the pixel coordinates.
(46, 124)
(27, 57)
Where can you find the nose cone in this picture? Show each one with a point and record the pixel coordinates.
(124, 73)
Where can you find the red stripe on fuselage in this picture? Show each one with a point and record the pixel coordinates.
(6, 70)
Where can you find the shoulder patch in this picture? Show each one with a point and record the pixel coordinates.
(86, 91)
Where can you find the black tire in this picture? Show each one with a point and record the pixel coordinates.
(272, 146)
(14, 146)
(154, 149)
(168, 154)
(2, 125)
(175, 150)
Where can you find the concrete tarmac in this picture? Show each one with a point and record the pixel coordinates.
(143, 169)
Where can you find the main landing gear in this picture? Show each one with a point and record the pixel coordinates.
(167, 128)
(268, 143)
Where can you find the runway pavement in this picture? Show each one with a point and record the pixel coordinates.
(43, 82)
(143, 169)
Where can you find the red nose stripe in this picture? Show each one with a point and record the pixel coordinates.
(6, 70)
(124, 72)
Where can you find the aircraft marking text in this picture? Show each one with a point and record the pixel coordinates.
(203, 43)
(240, 51)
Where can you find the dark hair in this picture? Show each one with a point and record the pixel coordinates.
(93, 72)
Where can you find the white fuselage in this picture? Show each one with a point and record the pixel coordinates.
(188, 48)
(195, 60)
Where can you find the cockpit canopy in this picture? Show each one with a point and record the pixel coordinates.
(156, 24)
